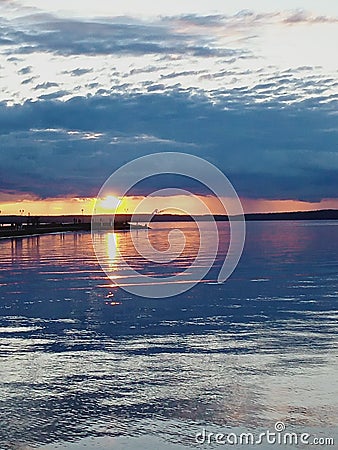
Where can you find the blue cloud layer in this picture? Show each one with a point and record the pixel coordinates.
(54, 148)
(272, 130)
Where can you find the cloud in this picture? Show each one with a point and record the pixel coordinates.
(25, 70)
(301, 16)
(54, 95)
(28, 80)
(147, 69)
(183, 73)
(265, 126)
(211, 20)
(247, 19)
(156, 87)
(213, 23)
(77, 72)
(58, 148)
(14, 59)
(75, 37)
(210, 52)
(4, 41)
(46, 85)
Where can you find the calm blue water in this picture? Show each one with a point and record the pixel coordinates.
(85, 365)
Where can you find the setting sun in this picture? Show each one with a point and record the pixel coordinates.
(109, 203)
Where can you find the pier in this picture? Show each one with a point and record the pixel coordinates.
(21, 226)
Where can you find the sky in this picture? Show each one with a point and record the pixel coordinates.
(250, 85)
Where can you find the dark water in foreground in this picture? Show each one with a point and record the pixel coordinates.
(88, 366)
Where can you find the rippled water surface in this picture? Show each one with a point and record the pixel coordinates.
(86, 365)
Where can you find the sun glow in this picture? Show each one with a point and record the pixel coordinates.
(127, 205)
(109, 203)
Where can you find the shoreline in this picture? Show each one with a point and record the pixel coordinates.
(37, 231)
(121, 219)
(25, 226)
(61, 228)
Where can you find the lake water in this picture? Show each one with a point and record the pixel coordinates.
(86, 365)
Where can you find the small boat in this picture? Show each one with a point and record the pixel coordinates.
(137, 226)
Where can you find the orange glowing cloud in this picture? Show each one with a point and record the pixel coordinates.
(179, 204)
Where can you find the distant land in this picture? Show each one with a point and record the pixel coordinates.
(324, 214)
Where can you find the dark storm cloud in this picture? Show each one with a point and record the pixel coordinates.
(56, 148)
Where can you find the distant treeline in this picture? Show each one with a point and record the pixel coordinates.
(324, 214)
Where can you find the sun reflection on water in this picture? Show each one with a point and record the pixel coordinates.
(112, 249)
